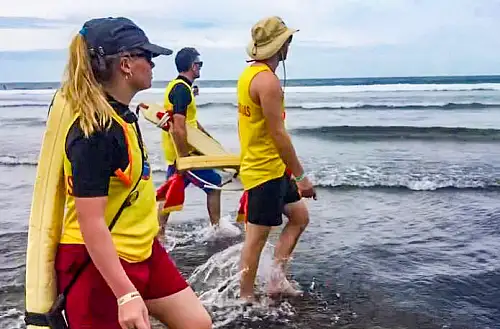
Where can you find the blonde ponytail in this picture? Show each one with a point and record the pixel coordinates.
(85, 96)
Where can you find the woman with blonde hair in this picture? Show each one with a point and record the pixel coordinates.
(108, 240)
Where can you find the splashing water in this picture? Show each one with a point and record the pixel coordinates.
(217, 280)
(206, 233)
(225, 229)
(217, 284)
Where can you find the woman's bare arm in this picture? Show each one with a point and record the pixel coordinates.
(97, 238)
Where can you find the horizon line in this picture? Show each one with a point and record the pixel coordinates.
(298, 79)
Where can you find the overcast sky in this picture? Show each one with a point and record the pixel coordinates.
(337, 38)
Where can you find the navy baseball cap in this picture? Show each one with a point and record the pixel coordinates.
(112, 35)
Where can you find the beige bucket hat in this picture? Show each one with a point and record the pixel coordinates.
(268, 36)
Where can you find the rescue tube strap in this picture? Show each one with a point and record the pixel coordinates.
(36, 319)
(48, 319)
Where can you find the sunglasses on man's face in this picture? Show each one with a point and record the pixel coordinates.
(199, 63)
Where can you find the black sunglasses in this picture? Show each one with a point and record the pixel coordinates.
(200, 63)
(146, 55)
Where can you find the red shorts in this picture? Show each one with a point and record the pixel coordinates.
(92, 304)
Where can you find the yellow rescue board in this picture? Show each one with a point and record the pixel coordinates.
(47, 212)
(213, 153)
(208, 161)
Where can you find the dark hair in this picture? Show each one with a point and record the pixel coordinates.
(185, 58)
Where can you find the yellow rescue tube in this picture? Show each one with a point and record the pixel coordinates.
(47, 212)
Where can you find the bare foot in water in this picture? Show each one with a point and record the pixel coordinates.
(284, 288)
(279, 285)
(248, 299)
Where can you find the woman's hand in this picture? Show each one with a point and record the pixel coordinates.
(132, 312)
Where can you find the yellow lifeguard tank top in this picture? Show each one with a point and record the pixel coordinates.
(191, 119)
(260, 160)
(137, 226)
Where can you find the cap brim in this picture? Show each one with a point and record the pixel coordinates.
(156, 50)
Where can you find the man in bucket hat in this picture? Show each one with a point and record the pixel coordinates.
(272, 175)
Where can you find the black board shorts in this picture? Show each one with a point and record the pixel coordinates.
(266, 202)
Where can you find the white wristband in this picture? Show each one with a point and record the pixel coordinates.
(128, 297)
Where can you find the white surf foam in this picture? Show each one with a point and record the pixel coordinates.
(359, 88)
(217, 284)
(308, 89)
(225, 229)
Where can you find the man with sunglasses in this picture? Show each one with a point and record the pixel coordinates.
(180, 99)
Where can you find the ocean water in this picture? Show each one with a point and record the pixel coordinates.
(406, 229)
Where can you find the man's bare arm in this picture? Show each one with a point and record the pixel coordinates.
(268, 90)
(179, 134)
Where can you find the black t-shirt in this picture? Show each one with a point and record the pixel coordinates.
(180, 96)
(95, 159)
